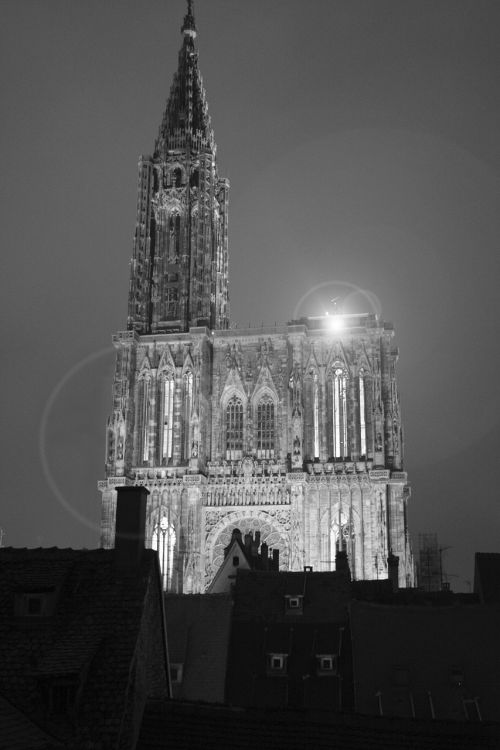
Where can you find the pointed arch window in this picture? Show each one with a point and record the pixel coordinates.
(362, 413)
(194, 180)
(174, 235)
(188, 406)
(145, 414)
(177, 177)
(315, 405)
(171, 302)
(339, 415)
(234, 429)
(265, 428)
(163, 541)
(167, 416)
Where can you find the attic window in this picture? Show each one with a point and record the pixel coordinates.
(276, 663)
(176, 674)
(326, 664)
(62, 696)
(34, 603)
(294, 604)
(236, 561)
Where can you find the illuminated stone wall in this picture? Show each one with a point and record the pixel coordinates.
(292, 431)
(303, 503)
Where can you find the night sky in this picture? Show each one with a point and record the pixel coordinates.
(361, 141)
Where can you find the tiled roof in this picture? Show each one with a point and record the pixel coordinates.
(92, 628)
(198, 636)
(424, 660)
(18, 732)
(261, 595)
(251, 681)
(189, 726)
(71, 653)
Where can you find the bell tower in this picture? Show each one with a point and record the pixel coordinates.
(179, 268)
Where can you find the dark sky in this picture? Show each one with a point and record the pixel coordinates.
(361, 141)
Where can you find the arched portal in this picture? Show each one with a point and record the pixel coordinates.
(272, 532)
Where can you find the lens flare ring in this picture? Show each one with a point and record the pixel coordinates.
(42, 435)
(369, 296)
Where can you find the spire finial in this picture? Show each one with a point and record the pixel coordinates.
(189, 26)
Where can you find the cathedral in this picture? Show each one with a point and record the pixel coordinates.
(291, 433)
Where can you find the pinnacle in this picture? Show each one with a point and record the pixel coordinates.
(189, 26)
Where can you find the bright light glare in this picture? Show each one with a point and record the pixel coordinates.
(335, 322)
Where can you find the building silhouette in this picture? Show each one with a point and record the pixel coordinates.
(292, 431)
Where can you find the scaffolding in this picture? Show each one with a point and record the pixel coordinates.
(430, 574)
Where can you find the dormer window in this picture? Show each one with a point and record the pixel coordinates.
(276, 664)
(62, 696)
(176, 673)
(294, 604)
(326, 664)
(34, 604)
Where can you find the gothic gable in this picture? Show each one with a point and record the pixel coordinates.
(145, 369)
(166, 364)
(188, 365)
(311, 364)
(233, 387)
(337, 357)
(363, 362)
(264, 384)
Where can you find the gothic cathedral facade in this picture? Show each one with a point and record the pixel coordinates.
(293, 431)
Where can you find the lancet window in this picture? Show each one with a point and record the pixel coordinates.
(177, 177)
(188, 405)
(339, 413)
(174, 236)
(234, 429)
(171, 302)
(315, 407)
(167, 387)
(265, 428)
(145, 415)
(163, 541)
(362, 413)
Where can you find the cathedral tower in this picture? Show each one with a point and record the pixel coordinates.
(179, 269)
(290, 433)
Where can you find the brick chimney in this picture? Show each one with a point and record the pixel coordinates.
(130, 527)
(276, 559)
(342, 565)
(393, 570)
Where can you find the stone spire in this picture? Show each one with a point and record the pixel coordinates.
(186, 122)
(179, 269)
(189, 26)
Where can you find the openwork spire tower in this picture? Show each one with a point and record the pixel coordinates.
(179, 268)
